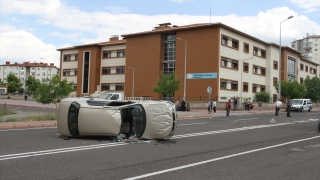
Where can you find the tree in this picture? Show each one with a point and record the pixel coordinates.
(292, 89)
(262, 96)
(32, 84)
(313, 88)
(52, 90)
(167, 84)
(2, 83)
(14, 83)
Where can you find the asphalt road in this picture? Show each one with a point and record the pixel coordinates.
(238, 147)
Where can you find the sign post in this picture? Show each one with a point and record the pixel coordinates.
(209, 91)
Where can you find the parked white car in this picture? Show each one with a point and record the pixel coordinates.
(301, 105)
(100, 117)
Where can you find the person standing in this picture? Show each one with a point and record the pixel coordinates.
(289, 104)
(235, 104)
(183, 106)
(214, 106)
(25, 96)
(228, 107)
(210, 106)
(188, 106)
(246, 105)
(278, 105)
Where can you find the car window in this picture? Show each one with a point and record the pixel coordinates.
(296, 101)
(115, 97)
(304, 103)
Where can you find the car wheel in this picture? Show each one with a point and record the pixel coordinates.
(310, 109)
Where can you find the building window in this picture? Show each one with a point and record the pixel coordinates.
(275, 65)
(66, 72)
(169, 49)
(291, 68)
(262, 88)
(223, 85)
(224, 40)
(301, 67)
(119, 87)
(254, 88)
(120, 70)
(234, 64)
(75, 72)
(224, 62)
(74, 87)
(33, 73)
(106, 70)
(105, 87)
(235, 44)
(263, 71)
(245, 87)
(76, 57)
(38, 74)
(67, 57)
(168, 68)
(106, 54)
(245, 67)
(263, 53)
(246, 48)
(255, 51)
(307, 68)
(120, 53)
(234, 85)
(275, 81)
(301, 80)
(43, 74)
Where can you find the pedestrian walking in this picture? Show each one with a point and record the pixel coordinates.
(177, 105)
(278, 105)
(25, 96)
(235, 104)
(260, 105)
(289, 104)
(228, 107)
(214, 106)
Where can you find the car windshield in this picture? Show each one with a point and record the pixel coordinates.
(107, 96)
(297, 101)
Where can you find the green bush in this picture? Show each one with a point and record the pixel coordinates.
(262, 96)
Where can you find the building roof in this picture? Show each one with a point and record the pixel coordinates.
(112, 42)
(166, 28)
(28, 64)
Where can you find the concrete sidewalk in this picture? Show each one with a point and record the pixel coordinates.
(195, 113)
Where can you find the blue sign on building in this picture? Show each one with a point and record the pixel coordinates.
(202, 76)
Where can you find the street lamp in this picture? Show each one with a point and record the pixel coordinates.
(241, 79)
(133, 78)
(279, 81)
(185, 67)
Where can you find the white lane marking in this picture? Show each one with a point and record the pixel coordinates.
(217, 159)
(313, 113)
(27, 128)
(191, 124)
(54, 151)
(245, 119)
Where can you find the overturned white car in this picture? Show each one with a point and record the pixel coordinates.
(99, 117)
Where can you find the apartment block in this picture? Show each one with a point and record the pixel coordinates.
(231, 62)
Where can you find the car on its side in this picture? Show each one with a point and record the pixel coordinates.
(99, 117)
(301, 105)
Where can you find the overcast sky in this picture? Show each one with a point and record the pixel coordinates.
(34, 29)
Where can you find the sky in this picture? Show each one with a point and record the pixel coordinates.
(33, 30)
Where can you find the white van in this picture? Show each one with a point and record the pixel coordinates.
(301, 105)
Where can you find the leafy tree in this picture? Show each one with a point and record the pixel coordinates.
(292, 89)
(262, 96)
(167, 84)
(32, 84)
(313, 88)
(14, 83)
(52, 90)
(2, 83)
